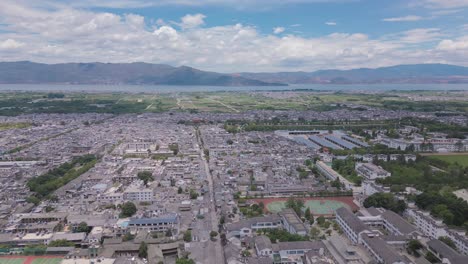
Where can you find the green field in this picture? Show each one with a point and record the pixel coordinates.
(461, 159)
(317, 207)
(6, 126)
(14, 103)
(47, 261)
(36, 260)
(12, 260)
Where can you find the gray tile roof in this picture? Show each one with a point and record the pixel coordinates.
(308, 245)
(381, 248)
(398, 222)
(351, 220)
(262, 242)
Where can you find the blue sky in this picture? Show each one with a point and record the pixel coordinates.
(309, 18)
(235, 36)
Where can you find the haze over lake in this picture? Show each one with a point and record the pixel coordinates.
(175, 88)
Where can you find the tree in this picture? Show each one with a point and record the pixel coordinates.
(179, 190)
(127, 237)
(321, 220)
(314, 233)
(185, 261)
(413, 246)
(431, 257)
(188, 236)
(33, 199)
(213, 234)
(61, 243)
(168, 233)
(143, 250)
(308, 215)
(193, 194)
(222, 220)
(82, 227)
(296, 205)
(448, 242)
(145, 176)
(385, 200)
(128, 209)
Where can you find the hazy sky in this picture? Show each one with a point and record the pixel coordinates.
(237, 35)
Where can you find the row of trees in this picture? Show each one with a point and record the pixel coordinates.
(445, 205)
(50, 181)
(387, 201)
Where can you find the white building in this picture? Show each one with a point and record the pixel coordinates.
(138, 193)
(371, 171)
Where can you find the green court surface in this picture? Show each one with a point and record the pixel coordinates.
(276, 207)
(47, 261)
(12, 260)
(27, 260)
(324, 207)
(317, 207)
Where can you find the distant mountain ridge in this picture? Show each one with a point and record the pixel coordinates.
(415, 73)
(25, 72)
(140, 73)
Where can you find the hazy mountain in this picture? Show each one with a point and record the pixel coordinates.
(417, 73)
(116, 73)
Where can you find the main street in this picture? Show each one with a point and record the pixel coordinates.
(205, 250)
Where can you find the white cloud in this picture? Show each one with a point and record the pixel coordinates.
(460, 44)
(10, 44)
(420, 35)
(402, 19)
(444, 3)
(148, 3)
(278, 30)
(64, 34)
(330, 23)
(192, 21)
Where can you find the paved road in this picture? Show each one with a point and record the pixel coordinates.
(211, 251)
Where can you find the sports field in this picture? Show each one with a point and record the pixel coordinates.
(30, 260)
(461, 159)
(318, 206)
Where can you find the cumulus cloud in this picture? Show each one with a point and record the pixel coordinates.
(10, 44)
(64, 34)
(147, 3)
(192, 21)
(421, 35)
(402, 19)
(460, 44)
(278, 30)
(445, 3)
(330, 23)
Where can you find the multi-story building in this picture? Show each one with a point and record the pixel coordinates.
(292, 223)
(158, 224)
(371, 171)
(248, 227)
(350, 224)
(435, 228)
(138, 193)
(331, 174)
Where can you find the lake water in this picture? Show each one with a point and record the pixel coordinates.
(175, 88)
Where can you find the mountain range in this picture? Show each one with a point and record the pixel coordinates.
(416, 73)
(25, 72)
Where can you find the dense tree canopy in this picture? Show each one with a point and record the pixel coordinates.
(145, 176)
(385, 200)
(128, 209)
